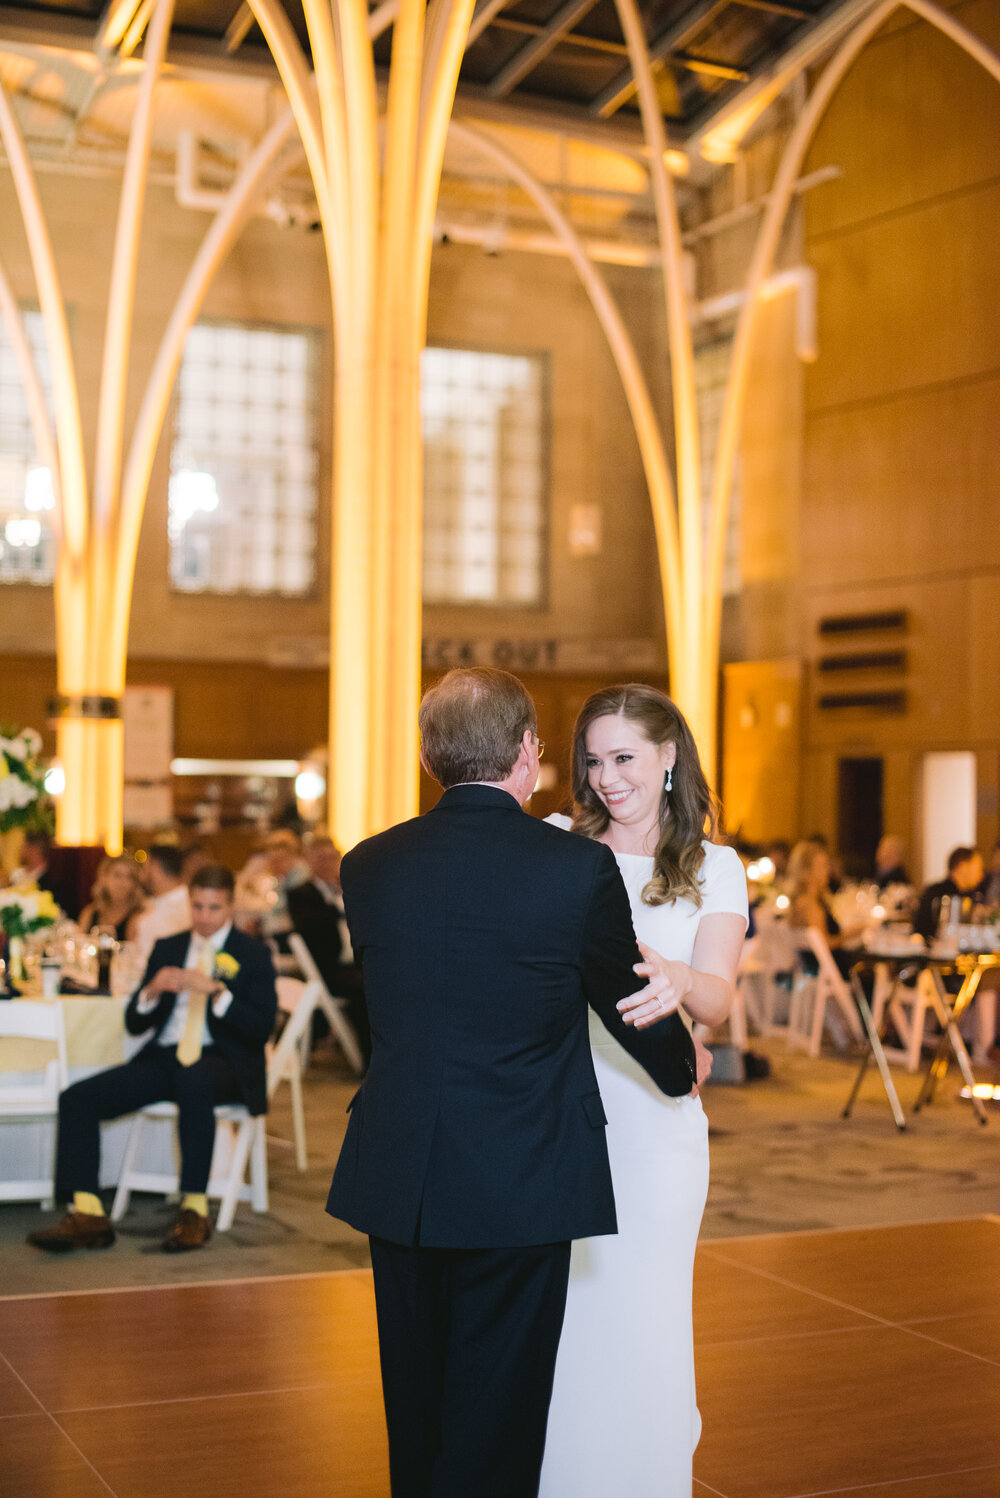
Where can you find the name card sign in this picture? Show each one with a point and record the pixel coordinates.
(531, 653)
(577, 657)
(148, 714)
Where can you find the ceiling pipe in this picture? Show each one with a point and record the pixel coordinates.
(190, 193)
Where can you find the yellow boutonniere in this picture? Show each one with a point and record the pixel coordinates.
(48, 910)
(226, 966)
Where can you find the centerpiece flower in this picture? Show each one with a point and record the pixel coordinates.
(24, 911)
(23, 801)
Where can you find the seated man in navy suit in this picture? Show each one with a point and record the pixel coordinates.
(208, 1002)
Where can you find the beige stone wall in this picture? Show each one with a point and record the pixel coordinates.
(899, 421)
(273, 275)
(900, 501)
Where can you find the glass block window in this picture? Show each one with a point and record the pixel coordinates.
(27, 543)
(485, 421)
(711, 367)
(244, 465)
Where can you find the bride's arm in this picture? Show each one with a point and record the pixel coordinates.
(705, 987)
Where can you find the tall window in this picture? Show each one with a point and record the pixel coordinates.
(711, 367)
(244, 466)
(27, 544)
(484, 420)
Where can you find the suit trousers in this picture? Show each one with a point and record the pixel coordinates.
(153, 1076)
(467, 1343)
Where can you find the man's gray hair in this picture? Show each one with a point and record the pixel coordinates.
(472, 723)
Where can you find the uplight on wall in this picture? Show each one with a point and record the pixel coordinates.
(309, 785)
(585, 530)
(310, 791)
(55, 779)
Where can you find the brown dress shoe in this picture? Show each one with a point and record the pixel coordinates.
(77, 1230)
(191, 1230)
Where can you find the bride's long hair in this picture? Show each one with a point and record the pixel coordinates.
(688, 813)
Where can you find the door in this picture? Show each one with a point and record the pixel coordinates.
(859, 814)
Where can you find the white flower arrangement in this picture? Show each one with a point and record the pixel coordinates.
(22, 781)
(24, 911)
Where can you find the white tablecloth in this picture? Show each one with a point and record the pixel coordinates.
(95, 1040)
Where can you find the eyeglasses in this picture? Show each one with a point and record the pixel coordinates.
(541, 746)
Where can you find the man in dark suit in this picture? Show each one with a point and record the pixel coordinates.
(475, 1149)
(208, 1004)
(36, 852)
(316, 909)
(965, 874)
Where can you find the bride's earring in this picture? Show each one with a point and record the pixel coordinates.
(668, 783)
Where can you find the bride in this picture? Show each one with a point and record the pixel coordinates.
(623, 1418)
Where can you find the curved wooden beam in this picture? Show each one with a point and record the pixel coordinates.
(445, 35)
(647, 427)
(961, 35)
(105, 497)
(297, 80)
(69, 430)
(448, 28)
(392, 457)
(694, 691)
(763, 256)
(215, 247)
(41, 426)
(332, 111)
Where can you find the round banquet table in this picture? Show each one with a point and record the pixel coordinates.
(95, 1039)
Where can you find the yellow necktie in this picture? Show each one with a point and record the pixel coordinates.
(189, 1048)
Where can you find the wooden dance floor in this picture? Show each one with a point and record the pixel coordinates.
(863, 1362)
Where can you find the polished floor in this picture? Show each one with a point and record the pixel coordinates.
(859, 1362)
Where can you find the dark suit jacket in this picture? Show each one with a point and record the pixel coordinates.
(245, 1028)
(318, 923)
(482, 935)
(925, 922)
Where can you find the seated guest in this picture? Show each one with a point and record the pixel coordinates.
(809, 892)
(990, 888)
(168, 911)
(889, 861)
(317, 914)
(208, 1002)
(268, 877)
(834, 873)
(116, 899)
(193, 858)
(965, 873)
(36, 851)
(779, 852)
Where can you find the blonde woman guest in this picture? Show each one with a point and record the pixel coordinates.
(116, 898)
(624, 1417)
(809, 892)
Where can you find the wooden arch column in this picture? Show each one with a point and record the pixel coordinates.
(377, 209)
(97, 525)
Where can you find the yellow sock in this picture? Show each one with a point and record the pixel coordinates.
(87, 1203)
(195, 1201)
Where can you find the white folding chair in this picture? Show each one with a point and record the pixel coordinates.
(810, 997)
(286, 1057)
(334, 1009)
(908, 1009)
(24, 1101)
(766, 956)
(239, 1139)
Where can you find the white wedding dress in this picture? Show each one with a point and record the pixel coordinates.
(623, 1421)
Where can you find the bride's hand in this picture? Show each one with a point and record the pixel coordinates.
(669, 983)
(703, 1064)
